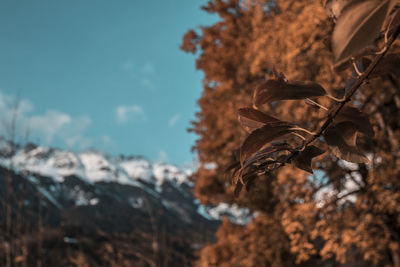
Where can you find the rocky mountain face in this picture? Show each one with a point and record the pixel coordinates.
(65, 209)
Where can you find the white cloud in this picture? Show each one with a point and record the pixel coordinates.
(173, 120)
(13, 111)
(9, 105)
(49, 124)
(52, 125)
(73, 133)
(125, 113)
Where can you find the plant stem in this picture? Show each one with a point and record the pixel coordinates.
(334, 111)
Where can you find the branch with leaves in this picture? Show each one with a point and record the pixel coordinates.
(273, 143)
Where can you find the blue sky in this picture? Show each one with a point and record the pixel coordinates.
(102, 74)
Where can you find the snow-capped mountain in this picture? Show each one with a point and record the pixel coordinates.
(166, 183)
(101, 195)
(92, 166)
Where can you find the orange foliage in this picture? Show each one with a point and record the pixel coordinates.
(347, 213)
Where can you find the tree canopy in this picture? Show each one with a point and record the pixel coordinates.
(315, 87)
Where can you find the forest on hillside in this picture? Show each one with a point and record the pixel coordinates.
(299, 122)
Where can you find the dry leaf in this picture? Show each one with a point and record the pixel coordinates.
(341, 138)
(260, 137)
(248, 180)
(303, 159)
(357, 27)
(264, 153)
(238, 189)
(232, 166)
(395, 22)
(359, 119)
(335, 7)
(273, 90)
(252, 119)
(390, 64)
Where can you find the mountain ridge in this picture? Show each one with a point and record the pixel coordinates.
(103, 196)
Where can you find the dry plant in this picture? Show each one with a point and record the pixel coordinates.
(356, 28)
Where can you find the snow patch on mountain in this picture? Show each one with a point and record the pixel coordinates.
(47, 162)
(92, 167)
(233, 212)
(100, 168)
(138, 169)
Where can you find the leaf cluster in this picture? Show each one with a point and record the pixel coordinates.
(319, 153)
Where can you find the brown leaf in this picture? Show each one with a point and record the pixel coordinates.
(341, 138)
(264, 153)
(237, 174)
(390, 64)
(248, 180)
(357, 27)
(232, 166)
(359, 119)
(236, 168)
(238, 189)
(273, 90)
(303, 159)
(260, 137)
(395, 22)
(252, 119)
(335, 7)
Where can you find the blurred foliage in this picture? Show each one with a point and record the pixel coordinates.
(346, 214)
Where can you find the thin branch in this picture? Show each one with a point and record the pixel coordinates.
(359, 73)
(334, 98)
(336, 199)
(312, 102)
(302, 130)
(354, 179)
(300, 136)
(334, 111)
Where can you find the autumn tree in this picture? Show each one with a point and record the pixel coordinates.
(315, 87)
